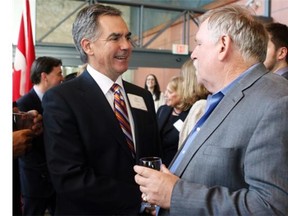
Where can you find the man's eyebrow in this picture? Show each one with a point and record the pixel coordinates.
(118, 34)
(114, 35)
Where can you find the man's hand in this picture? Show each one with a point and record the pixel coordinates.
(21, 141)
(156, 186)
(37, 126)
(37, 120)
(22, 138)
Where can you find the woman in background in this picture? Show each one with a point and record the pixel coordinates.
(177, 118)
(196, 94)
(152, 85)
(171, 117)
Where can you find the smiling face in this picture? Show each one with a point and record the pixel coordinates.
(172, 97)
(150, 81)
(110, 52)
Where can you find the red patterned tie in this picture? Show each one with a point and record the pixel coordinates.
(122, 116)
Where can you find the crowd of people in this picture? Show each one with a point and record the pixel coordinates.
(220, 127)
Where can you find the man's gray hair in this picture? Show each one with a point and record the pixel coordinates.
(86, 24)
(247, 33)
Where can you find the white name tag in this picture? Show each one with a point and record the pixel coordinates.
(178, 124)
(137, 102)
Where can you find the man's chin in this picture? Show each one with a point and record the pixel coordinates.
(121, 70)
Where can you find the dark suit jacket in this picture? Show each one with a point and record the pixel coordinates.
(35, 180)
(238, 162)
(169, 135)
(90, 163)
(285, 75)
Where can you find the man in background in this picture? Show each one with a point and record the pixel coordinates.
(277, 49)
(38, 193)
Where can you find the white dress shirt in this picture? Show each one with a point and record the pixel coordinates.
(105, 84)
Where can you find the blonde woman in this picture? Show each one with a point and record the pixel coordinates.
(171, 117)
(195, 94)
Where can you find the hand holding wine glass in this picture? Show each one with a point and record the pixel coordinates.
(154, 163)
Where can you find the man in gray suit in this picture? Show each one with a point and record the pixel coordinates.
(236, 162)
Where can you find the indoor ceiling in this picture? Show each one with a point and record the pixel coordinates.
(201, 4)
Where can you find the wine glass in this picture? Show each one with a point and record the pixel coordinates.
(22, 120)
(154, 163)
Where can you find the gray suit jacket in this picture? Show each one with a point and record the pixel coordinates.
(238, 164)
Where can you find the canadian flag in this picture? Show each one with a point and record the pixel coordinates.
(24, 56)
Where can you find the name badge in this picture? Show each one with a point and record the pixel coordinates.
(178, 124)
(137, 102)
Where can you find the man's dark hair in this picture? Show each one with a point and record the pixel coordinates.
(279, 35)
(43, 64)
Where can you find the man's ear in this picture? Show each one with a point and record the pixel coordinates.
(282, 53)
(225, 44)
(43, 76)
(86, 46)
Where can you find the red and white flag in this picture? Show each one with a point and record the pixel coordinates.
(24, 56)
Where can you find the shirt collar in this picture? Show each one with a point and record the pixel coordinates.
(227, 88)
(104, 82)
(38, 92)
(281, 71)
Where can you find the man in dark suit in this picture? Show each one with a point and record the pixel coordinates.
(277, 50)
(90, 162)
(37, 190)
(235, 162)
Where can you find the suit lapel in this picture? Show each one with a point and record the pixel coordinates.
(137, 115)
(163, 116)
(226, 105)
(129, 90)
(210, 125)
(36, 101)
